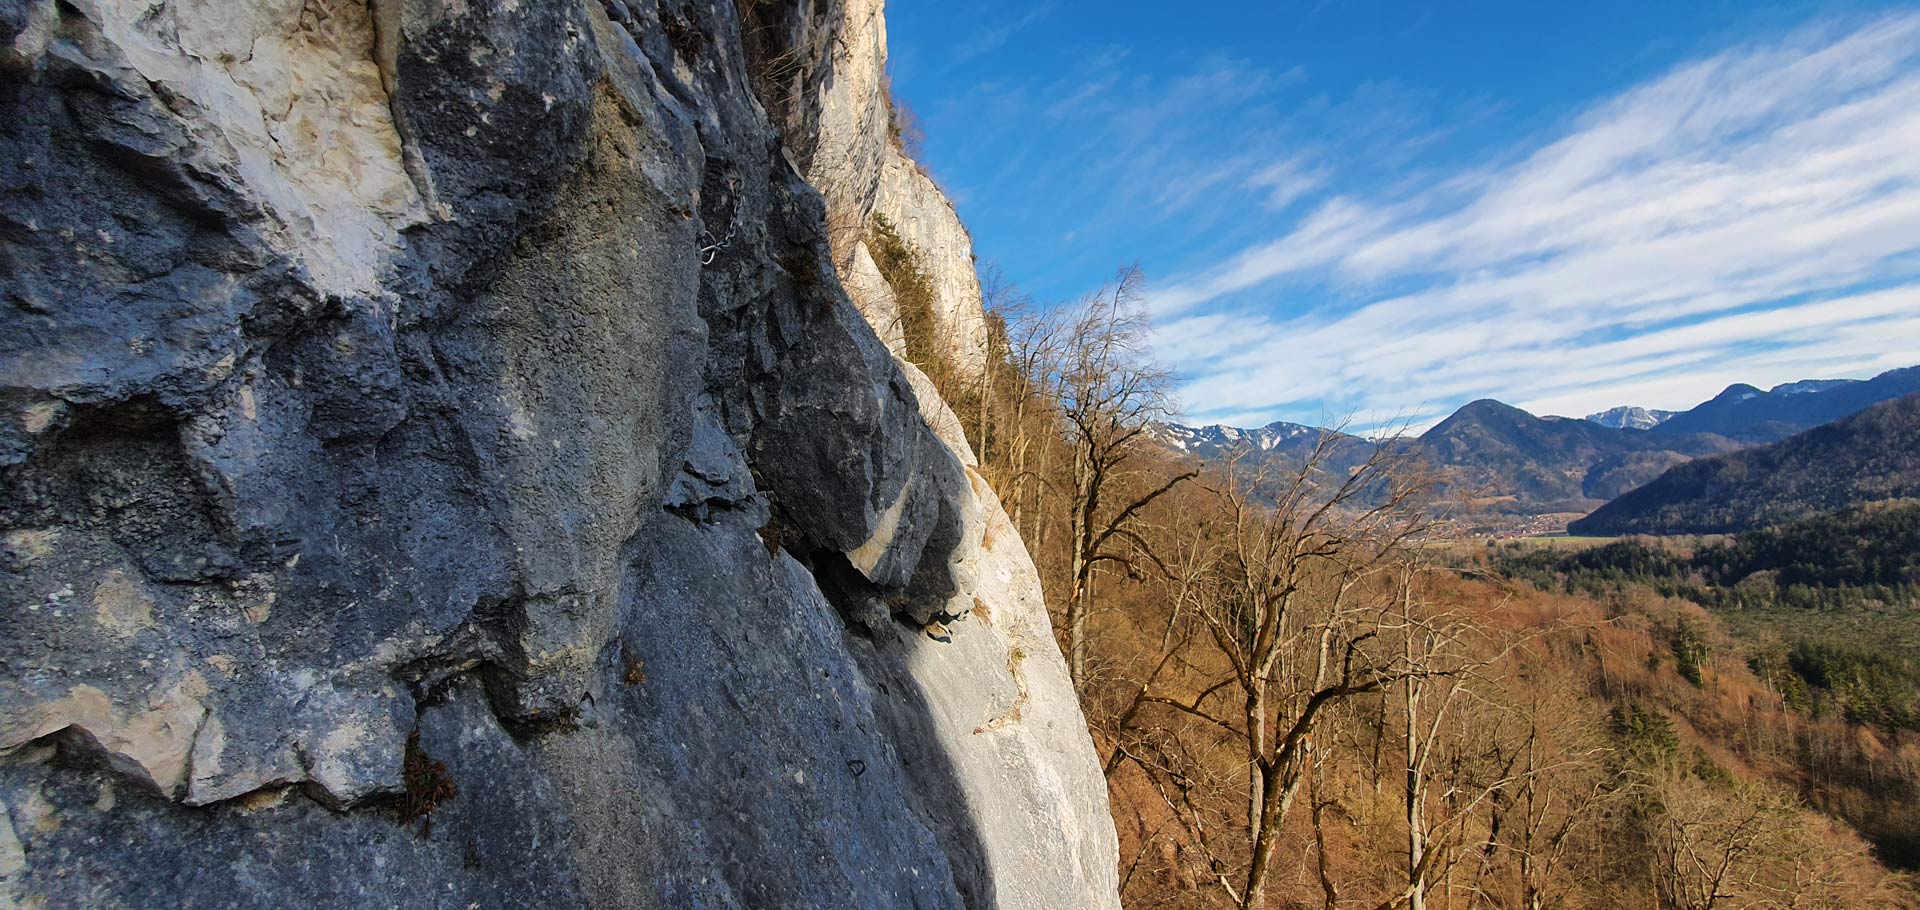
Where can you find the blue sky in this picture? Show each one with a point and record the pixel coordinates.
(1390, 209)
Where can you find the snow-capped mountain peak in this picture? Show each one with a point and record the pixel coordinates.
(1628, 417)
(1216, 438)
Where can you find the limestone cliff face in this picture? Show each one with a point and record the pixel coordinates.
(475, 374)
(862, 173)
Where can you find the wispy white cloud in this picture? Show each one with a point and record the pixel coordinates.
(1131, 146)
(994, 38)
(1740, 217)
(1285, 181)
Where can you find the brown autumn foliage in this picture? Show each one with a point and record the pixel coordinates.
(1304, 699)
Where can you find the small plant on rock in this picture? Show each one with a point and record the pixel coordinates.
(427, 785)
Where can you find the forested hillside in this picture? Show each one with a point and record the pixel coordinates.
(1873, 455)
(1522, 463)
(1754, 416)
(1825, 612)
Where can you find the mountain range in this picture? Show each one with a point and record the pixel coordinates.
(1750, 415)
(1276, 444)
(1215, 441)
(1518, 464)
(1514, 462)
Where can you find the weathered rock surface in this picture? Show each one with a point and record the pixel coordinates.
(862, 173)
(924, 217)
(870, 292)
(476, 369)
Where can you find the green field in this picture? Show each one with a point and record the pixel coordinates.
(1563, 540)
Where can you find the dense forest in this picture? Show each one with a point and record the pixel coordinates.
(1863, 558)
(1825, 612)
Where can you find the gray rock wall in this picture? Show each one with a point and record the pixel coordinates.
(474, 373)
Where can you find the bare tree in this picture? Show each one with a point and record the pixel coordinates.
(1320, 807)
(1714, 850)
(1449, 717)
(1718, 843)
(1005, 305)
(1425, 703)
(1563, 787)
(1292, 602)
(1109, 394)
(1024, 350)
(1035, 348)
